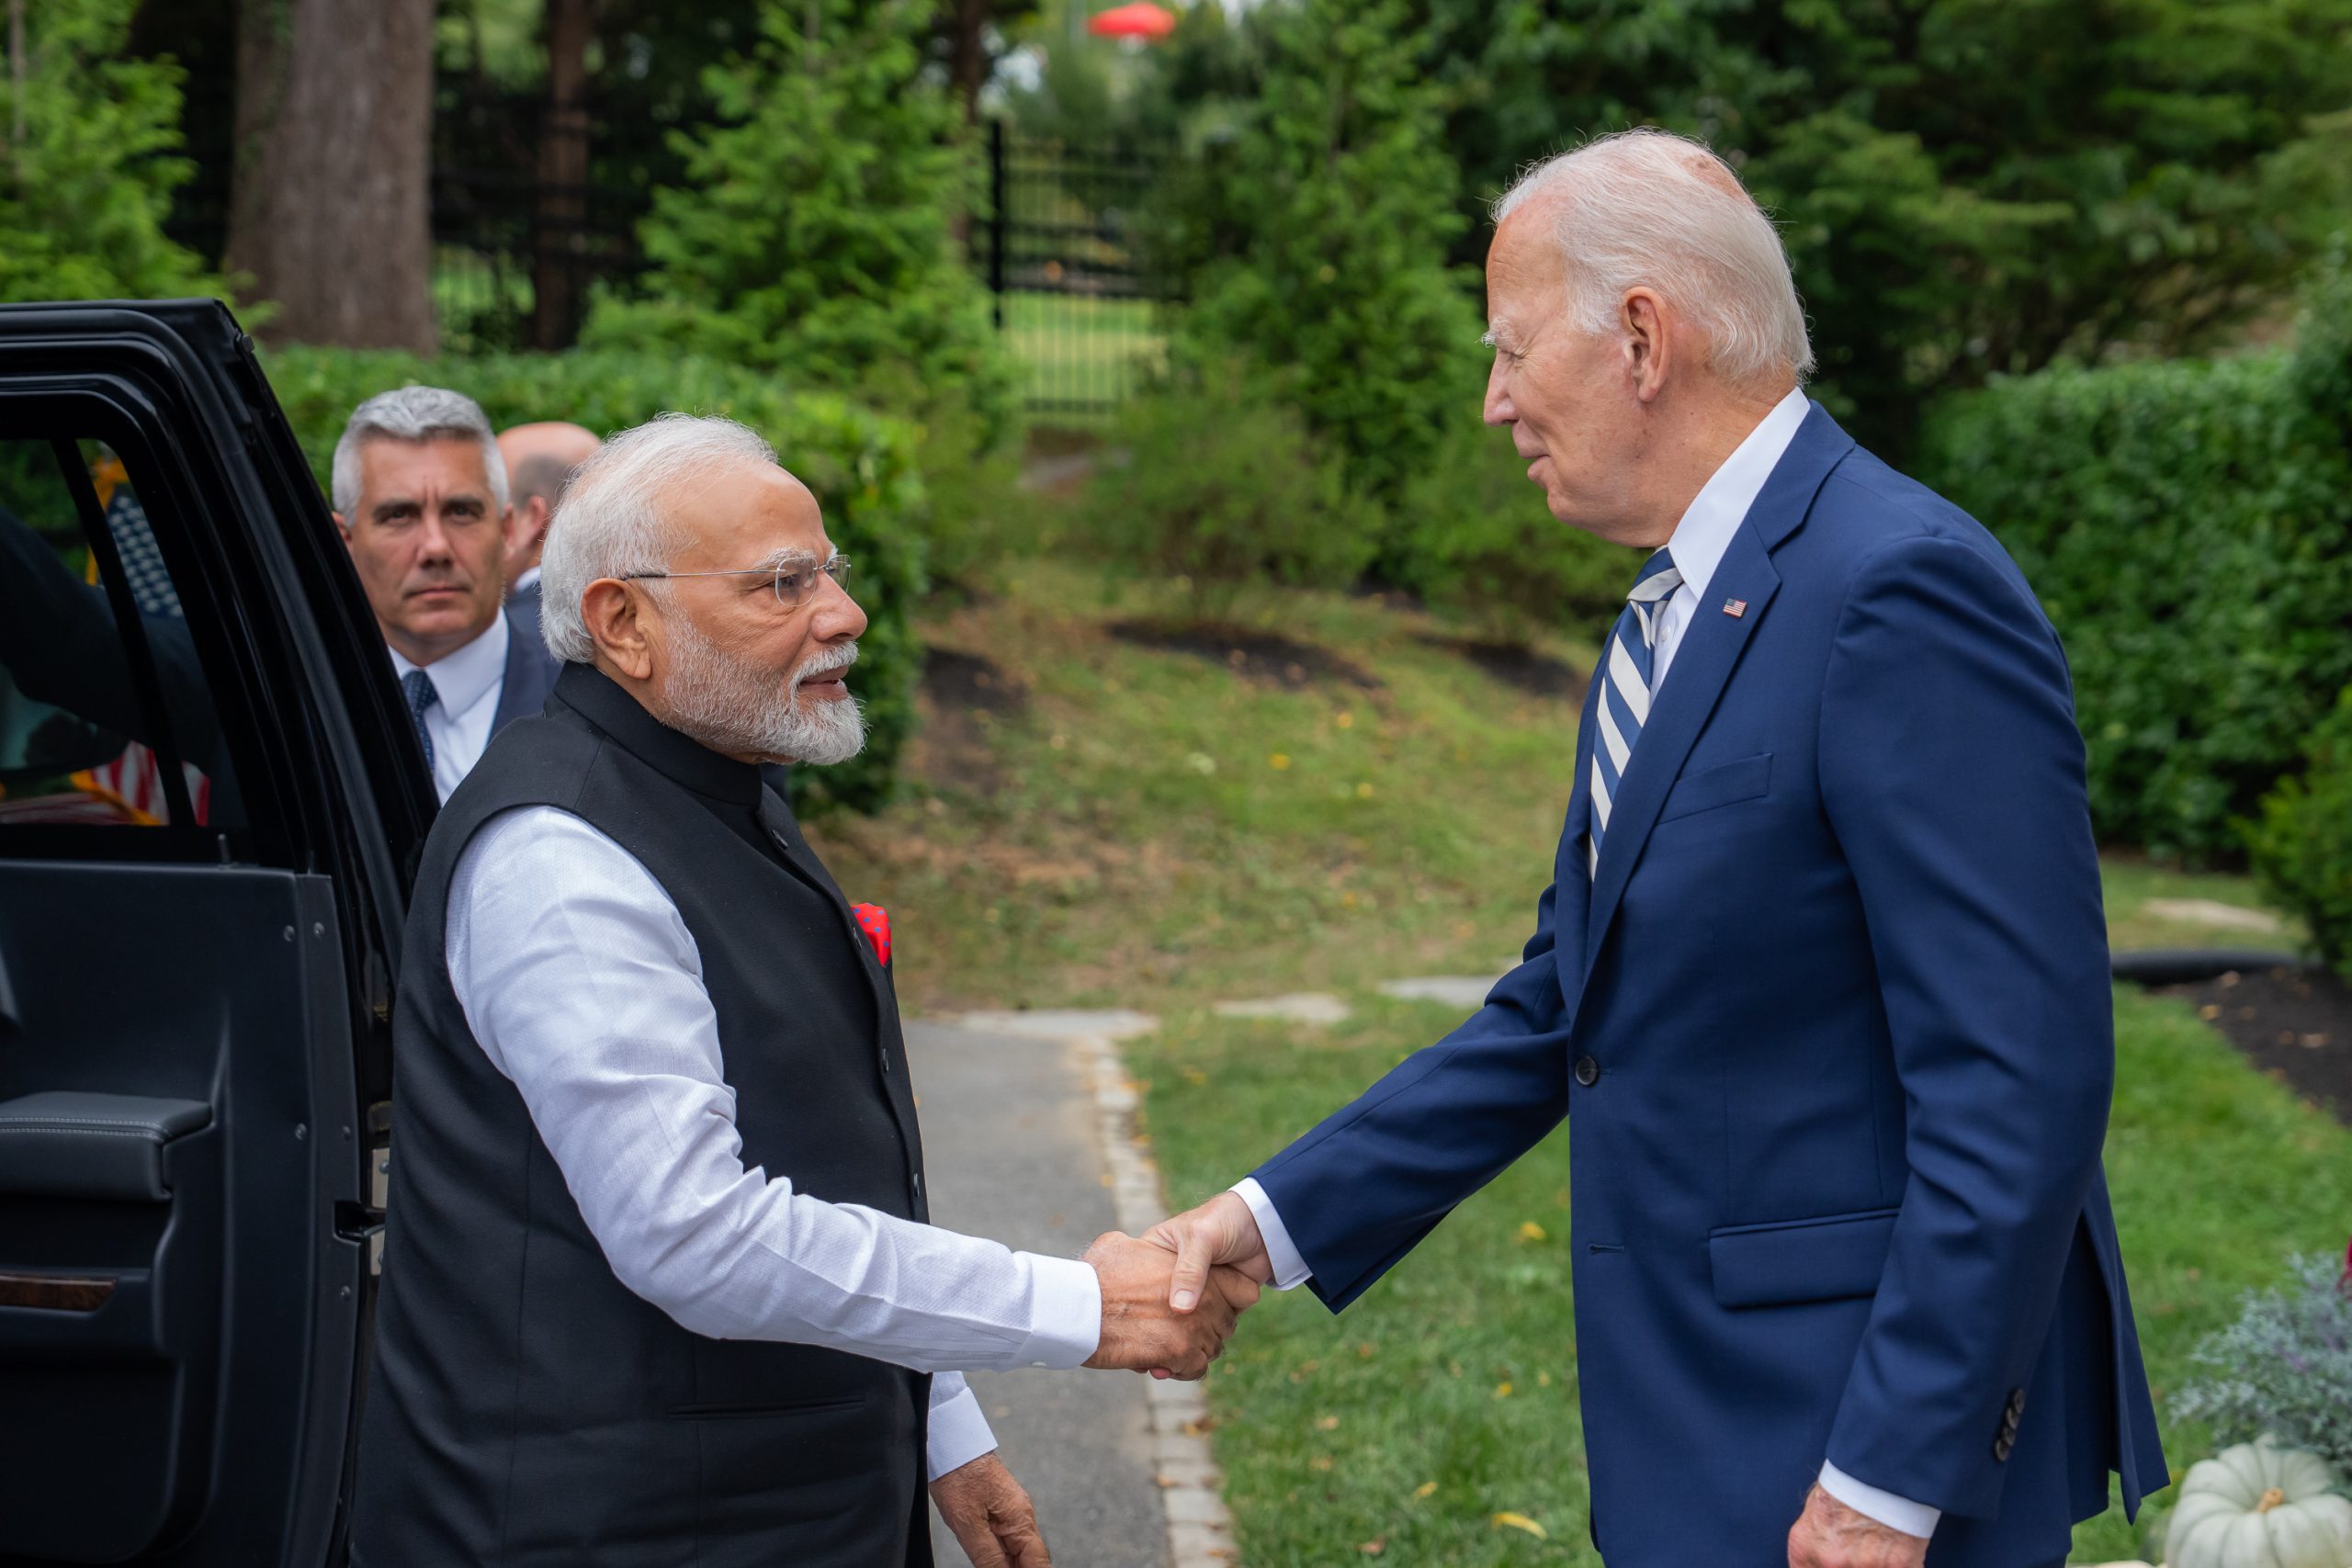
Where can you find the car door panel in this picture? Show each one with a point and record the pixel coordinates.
(205, 841)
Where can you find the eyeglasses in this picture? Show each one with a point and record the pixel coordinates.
(795, 580)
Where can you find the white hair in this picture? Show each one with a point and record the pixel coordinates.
(414, 414)
(1648, 208)
(610, 520)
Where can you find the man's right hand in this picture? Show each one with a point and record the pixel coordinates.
(1141, 1331)
(1221, 1231)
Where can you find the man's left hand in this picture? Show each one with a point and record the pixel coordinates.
(1830, 1534)
(992, 1517)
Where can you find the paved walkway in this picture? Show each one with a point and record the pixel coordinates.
(1011, 1138)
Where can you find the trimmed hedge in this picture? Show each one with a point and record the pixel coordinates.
(2302, 845)
(860, 466)
(2189, 528)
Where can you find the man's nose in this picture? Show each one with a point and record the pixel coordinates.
(838, 617)
(1499, 410)
(433, 540)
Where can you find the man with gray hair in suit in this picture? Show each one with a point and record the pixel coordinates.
(419, 495)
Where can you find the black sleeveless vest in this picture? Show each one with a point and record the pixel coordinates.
(524, 1406)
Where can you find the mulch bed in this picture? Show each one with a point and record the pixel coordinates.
(965, 693)
(1524, 669)
(1249, 653)
(2294, 1024)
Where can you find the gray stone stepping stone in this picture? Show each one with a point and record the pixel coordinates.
(1453, 990)
(2210, 912)
(1299, 1007)
(1114, 1023)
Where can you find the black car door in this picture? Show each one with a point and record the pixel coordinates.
(209, 803)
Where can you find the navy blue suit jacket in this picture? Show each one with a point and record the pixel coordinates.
(530, 675)
(1841, 987)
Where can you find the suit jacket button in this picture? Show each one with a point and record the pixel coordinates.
(2001, 1446)
(1588, 1071)
(2016, 1402)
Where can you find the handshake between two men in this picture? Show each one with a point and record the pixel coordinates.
(1171, 1298)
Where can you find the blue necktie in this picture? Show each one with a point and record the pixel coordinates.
(1625, 704)
(421, 694)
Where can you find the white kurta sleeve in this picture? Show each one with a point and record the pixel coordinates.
(584, 987)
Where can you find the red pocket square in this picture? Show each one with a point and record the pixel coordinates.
(874, 921)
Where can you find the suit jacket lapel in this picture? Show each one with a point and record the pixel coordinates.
(1571, 875)
(1710, 650)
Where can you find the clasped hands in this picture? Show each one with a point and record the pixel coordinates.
(1170, 1299)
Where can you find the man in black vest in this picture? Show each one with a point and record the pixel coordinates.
(658, 1287)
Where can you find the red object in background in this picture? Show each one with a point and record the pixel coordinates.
(874, 921)
(1143, 19)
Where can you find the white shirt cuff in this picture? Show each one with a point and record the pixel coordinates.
(959, 1432)
(1895, 1513)
(1065, 1312)
(1290, 1269)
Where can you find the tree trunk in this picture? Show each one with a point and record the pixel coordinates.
(329, 201)
(968, 55)
(559, 255)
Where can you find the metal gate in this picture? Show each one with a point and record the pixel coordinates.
(1078, 307)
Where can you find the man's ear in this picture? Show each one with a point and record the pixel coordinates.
(1642, 318)
(341, 528)
(525, 523)
(615, 616)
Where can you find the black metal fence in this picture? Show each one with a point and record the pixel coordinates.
(1082, 311)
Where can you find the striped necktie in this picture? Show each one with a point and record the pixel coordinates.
(1625, 704)
(422, 694)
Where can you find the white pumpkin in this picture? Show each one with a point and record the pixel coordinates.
(2259, 1505)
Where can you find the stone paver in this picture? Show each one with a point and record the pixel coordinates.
(1112, 1024)
(1299, 1007)
(1453, 990)
(2210, 912)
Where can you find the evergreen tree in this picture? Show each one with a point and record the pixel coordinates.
(1312, 229)
(88, 163)
(813, 232)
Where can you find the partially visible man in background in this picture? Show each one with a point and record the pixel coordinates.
(419, 495)
(540, 457)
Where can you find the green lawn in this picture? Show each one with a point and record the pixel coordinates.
(1151, 831)
(1072, 347)
(1447, 1394)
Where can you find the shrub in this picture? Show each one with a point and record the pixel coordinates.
(1310, 228)
(1219, 490)
(860, 465)
(2302, 843)
(814, 232)
(1474, 537)
(2189, 528)
(2283, 1369)
(84, 190)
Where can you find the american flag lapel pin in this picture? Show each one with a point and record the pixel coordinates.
(1734, 608)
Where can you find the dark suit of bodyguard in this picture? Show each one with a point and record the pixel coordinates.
(1827, 1013)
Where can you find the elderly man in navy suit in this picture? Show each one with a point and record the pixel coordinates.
(420, 494)
(1821, 976)
(539, 458)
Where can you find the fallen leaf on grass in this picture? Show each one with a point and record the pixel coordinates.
(1502, 1391)
(1426, 1489)
(1508, 1520)
(1327, 1423)
(1374, 1547)
(1530, 1231)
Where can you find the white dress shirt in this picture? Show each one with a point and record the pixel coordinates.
(581, 981)
(530, 575)
(1699, 542)
(469, 682)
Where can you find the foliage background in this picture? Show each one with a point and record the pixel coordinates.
(860, 464)
(85, 186)
(2189, 526)
(812, 230)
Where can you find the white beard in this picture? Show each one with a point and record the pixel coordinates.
(734, 709)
